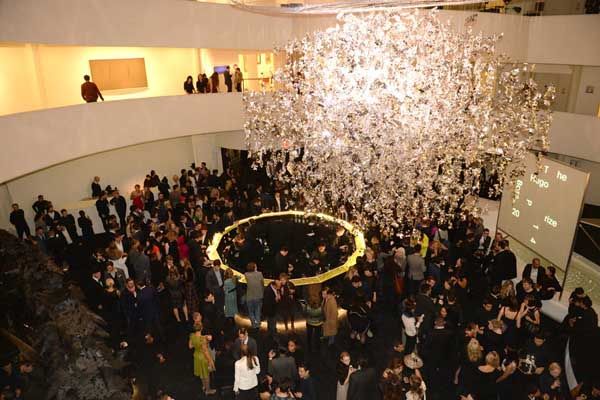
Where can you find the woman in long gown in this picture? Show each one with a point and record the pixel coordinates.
(203, 362)
(189, 281)
(230, 289)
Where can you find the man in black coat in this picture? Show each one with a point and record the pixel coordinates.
(534, 271)
(363, 382)
(96, 188)
(52, 217)
(120, 205)
(438, 354)
(85, 223)
(68, 221)
(95, 290)
(103, 210)
(483, 242)
(271, 298)
(17, 218)
(228, 80)
(425, 307)
(505, 264)
(196, 253)
(243, 339)
(283, 366)
(149, 309)
(40, 205)
(129, 306)
(214, 284)
(283, 261)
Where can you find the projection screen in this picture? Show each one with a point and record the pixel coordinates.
(544, 212)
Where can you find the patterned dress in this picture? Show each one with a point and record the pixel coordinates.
(191, 295)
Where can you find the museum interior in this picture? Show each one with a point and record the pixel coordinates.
(299, 199)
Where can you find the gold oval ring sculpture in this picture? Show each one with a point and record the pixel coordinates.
(358, 236)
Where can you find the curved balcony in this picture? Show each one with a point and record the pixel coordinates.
(35, 140)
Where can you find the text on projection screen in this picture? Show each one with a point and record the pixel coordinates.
(546, 208)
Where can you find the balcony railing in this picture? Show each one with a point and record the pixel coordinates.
(533, 8)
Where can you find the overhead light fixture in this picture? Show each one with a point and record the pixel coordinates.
(394, 115)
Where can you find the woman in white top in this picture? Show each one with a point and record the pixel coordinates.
(411, 323)
(247, 369)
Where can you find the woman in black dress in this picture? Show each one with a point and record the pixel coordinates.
(176, 291)
(468, 371)
(489, 375)
(188, 85)
(112, 311)
(200, 84)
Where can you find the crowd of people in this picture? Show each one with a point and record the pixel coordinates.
(210, 84)
(444, 298)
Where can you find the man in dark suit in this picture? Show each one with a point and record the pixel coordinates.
(68, 221)
(52, 217)
(85, 223)
(243, 339)
(40, 240)
(213, 180)
(282, 261)
(120, 205)
(129, 306)
(438, 351)
(483, 242)
(271, 299)
(103, 210)
(96, 188)
(196, 253)
(425, 307)
(228, 79)
(17, 218)
(148, 306)
(363, 382)
(95, 290)
(534, 271)
(116, 275)
(214, 284)
(505, 264)
(40, 205)
(283, 366)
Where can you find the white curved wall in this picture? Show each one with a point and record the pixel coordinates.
(39, 139)
(172, 23)
(68, 184)
(569, 39)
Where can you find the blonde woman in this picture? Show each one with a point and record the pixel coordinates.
(490, 375)
(466, 376)
(343, 372)
(507, 290)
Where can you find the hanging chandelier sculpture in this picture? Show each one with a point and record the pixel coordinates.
(393, 115)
